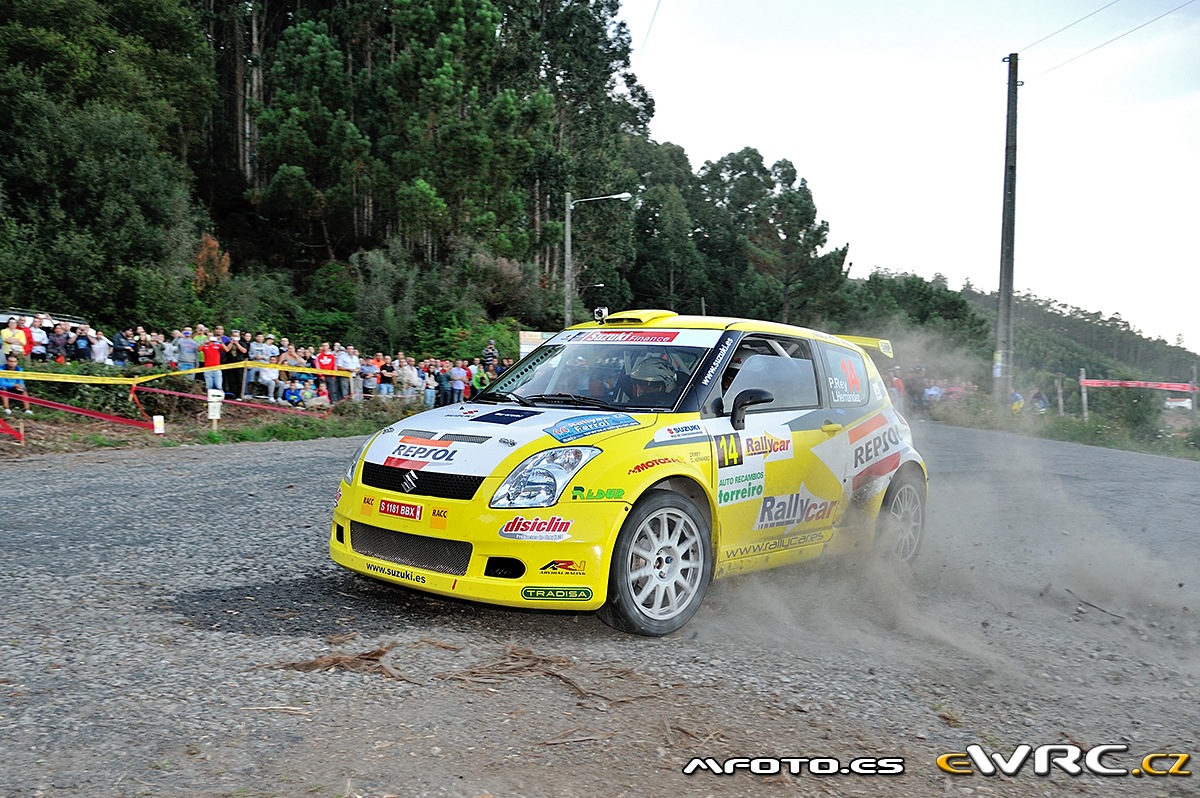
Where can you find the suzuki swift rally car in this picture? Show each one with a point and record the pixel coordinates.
(626, 463)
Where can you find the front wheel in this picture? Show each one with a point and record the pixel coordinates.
(901, 526)
(661, 566)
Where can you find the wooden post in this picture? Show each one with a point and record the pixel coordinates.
(1058, 388)
(1083, 393)
(1194, 396)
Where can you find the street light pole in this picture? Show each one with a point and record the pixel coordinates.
(568, 265)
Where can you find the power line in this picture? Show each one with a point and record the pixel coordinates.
(1123, 35)
(650, 27)
(1073, 24)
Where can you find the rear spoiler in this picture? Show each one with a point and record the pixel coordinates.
(882, 345)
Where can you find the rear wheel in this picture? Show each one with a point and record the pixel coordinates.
(901, 526)
(661, 566)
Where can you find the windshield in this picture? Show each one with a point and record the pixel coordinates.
(623, 370)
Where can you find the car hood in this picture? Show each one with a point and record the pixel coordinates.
(473, 439)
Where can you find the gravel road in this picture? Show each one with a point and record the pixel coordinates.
(160, 605)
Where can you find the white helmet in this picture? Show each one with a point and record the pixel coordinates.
(655, 372)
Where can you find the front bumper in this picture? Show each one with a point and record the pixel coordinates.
(548, 558)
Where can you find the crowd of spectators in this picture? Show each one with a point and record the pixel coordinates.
(277, 371)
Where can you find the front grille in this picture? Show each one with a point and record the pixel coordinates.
(418, 482)
(417, 551)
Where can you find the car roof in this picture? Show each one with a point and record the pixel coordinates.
(655, 318)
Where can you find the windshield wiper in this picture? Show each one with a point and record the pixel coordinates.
(574, 399)
(501, 396)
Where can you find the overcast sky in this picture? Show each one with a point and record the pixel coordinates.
(895, 114)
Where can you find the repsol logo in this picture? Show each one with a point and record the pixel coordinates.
(431, 453)
(876, 446)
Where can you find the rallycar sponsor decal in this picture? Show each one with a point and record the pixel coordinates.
(551, 529)
(576, 427)
(438, 517)
(556, 593)
(646, 466)
(735, 488)
(506, 416)
(778, 544)
(590, 494)
(565, 567)
(766, 444)
(401, 509)
(416, 453)
(793, 509)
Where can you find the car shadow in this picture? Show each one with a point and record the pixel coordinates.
(326, 605)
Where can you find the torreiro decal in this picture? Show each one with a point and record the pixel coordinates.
(416, 453)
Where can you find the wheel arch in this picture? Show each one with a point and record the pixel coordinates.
(694, 492)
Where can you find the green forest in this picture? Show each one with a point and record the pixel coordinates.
(395, 174)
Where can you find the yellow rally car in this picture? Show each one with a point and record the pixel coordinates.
(627, 462)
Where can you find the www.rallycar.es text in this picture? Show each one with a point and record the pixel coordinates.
(1069, 759)
(796, 766)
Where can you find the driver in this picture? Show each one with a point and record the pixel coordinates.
(652, 376)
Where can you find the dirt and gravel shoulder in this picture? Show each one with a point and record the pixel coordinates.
(162, 608)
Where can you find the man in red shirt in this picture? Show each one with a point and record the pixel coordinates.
(327, 360)
(212, 350)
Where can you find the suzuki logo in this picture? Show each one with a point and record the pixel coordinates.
(409, 483)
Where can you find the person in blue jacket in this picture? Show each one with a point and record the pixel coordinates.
(12, 385)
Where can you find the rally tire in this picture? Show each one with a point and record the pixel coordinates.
(662, 565)
(900, 529)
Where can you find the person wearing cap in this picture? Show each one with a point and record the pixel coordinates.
(187, 350)
(490, 355)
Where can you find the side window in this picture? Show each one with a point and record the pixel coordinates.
(849, 385)
(783, 367)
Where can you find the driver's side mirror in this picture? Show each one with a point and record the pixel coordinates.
(745, 399)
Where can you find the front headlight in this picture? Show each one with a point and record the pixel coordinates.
(349, 477)
(541, 479)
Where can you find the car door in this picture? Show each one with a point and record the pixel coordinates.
(775, 498)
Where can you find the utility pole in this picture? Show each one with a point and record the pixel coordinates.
(568, 267)
(1002, 360)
